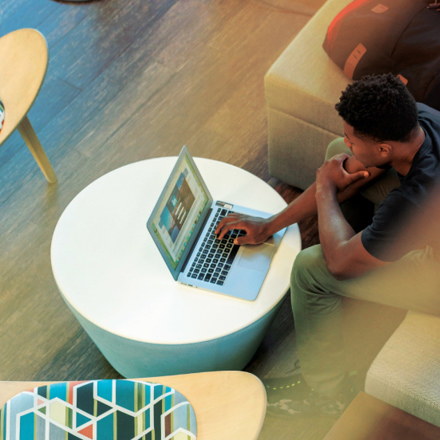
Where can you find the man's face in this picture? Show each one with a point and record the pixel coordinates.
(366, 151)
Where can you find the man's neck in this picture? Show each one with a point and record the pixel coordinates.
(403, 162)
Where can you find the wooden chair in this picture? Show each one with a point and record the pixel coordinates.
(23, 65)
(227, 404)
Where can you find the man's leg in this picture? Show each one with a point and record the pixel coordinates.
(317, 296)
(410, 283)
(319, 314)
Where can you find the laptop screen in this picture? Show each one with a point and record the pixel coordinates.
(177, 215)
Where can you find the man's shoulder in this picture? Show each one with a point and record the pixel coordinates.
(425, 111)
(429, 120)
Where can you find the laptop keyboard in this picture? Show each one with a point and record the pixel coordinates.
(214, 258)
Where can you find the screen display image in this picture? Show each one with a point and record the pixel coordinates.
(177, 208)
(179, 211)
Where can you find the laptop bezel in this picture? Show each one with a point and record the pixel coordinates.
(184, 154)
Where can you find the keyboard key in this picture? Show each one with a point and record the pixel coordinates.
(209, 264)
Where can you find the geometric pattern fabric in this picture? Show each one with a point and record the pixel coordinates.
(2, 115)
(98, 410)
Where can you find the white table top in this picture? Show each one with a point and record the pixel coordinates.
(109, 270)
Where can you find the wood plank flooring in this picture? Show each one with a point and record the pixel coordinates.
(130, 80)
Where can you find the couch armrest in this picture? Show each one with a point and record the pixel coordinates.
(406, 372)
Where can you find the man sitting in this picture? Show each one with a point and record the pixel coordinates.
(390, 158)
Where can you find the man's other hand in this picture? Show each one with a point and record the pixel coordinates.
(333, 173)
(255, 228)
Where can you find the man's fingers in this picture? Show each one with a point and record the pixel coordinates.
(223, 230)
(359, 175)
(342, 157)
(221, 226)
(226, 220)
(230, 226)
(227, 224)
(239, 222)
(243, 240)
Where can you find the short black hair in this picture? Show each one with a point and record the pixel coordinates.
(379, 107)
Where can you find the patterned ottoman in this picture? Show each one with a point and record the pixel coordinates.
(2, 115)
(98, 410)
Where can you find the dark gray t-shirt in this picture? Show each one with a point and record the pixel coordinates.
(404, 202)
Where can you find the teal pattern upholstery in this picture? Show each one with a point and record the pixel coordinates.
(98, 410)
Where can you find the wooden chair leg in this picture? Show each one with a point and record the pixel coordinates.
(30, 137)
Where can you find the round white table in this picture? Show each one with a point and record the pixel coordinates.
(114, 280)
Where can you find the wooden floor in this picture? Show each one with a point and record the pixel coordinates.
(130, 80)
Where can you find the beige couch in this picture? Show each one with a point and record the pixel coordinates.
(301, 89)
(406, 372)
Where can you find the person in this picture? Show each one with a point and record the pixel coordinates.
(373, 181)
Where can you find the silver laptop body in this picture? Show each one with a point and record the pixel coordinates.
(182, 225)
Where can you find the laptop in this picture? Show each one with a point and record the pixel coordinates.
(182, 225)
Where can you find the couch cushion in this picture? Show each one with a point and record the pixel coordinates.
(406, 372)
(99, 410)
(304, 82)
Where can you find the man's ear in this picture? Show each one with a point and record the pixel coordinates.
(385, 150)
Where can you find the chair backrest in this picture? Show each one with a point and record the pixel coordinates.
(23, 65)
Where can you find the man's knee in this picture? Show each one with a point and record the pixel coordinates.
(312, 285)
(335, 147)
(308, 263)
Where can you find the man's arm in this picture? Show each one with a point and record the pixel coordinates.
(343, 250)
(259, 230)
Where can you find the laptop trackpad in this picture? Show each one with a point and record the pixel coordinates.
(256, 257)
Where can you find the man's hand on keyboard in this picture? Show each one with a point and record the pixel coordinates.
(254, 227)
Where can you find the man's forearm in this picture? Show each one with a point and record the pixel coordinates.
(333, 227)
(334, 230)
(305, 206)
(258, 229)
(302, 207)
